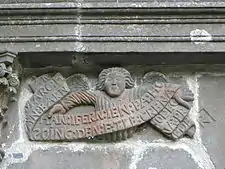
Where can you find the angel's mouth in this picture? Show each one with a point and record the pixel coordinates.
(114, 87)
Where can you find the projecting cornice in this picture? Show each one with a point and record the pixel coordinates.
(122, 26)
(106, 8)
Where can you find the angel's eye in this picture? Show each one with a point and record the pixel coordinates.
(109, 79)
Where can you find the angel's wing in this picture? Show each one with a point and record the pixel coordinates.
(78, 82)
(152, 77)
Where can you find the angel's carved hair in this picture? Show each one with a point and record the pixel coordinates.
(104, 73)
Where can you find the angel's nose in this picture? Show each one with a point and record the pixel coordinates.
(114, 82)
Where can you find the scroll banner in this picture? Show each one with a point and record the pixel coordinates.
(156, 106)
(44, 98)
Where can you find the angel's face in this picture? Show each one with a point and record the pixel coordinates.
(115, 84)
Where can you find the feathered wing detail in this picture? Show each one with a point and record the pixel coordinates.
(78, 82)
(151, 77)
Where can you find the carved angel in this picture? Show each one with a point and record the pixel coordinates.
(116, 86)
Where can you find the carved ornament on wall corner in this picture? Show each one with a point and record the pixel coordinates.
(9, 84)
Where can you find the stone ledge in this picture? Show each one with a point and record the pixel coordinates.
(111, 4)
(103, 158)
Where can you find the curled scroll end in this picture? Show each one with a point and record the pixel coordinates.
(38, 81)
(78, 82)
(153, 77)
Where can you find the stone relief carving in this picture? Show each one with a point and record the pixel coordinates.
(112, 112)
(9, 84)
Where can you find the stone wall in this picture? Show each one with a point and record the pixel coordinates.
(184, 40)
(147, 149)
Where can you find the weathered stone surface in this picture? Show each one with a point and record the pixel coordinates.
(76, 32)
(11, 132)
(163, 158)
(104, 157)
(58, 158)
(212, 116)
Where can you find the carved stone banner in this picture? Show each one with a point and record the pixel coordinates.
(118, 108)
(44, 98)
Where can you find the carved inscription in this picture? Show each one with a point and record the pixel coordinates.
(44, 98)
(34, 85)
(70, 127)
(96, 123)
